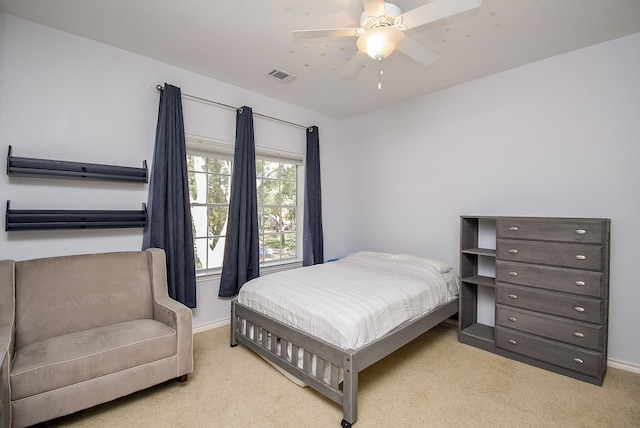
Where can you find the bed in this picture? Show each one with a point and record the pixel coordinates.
(323, 324)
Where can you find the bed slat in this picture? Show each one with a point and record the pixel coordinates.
(334, 376)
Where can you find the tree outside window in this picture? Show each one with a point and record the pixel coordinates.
(210, 188)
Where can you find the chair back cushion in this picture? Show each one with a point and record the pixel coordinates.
(62, 295)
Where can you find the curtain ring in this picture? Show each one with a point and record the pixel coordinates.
(239, 110)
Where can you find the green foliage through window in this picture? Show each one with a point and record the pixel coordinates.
(209, 189)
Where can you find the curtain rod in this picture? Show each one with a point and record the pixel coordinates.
(161, 88)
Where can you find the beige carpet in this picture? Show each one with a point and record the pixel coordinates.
(432, 382)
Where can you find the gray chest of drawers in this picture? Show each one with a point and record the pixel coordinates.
(551, 294)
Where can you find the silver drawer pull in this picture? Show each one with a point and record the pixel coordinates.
(578, 360)
(579, 309)
(513, 342)
(513, 296)
(513, 273)
(513, 319)
(581, 231)
(578, 334)
(581, 257)
(513, 228)
(580, 283)
(513, 251)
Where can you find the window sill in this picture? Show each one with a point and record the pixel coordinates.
(264, 270)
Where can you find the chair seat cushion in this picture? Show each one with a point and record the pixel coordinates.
(66, 360)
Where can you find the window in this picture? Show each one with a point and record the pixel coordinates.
(277, 210)
(210, 188)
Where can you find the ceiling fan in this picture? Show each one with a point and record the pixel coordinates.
(382, 27)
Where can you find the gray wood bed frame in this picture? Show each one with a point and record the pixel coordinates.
(270, 339)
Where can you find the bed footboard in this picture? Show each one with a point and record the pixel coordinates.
(313, 361)
(320, 364)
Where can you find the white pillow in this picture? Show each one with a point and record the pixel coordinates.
(438, 264)
(441, 266)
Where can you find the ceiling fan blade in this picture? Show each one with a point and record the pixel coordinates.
(323, 34)
(436, 10)
(418, 52)
(354, 65)
(374, 7)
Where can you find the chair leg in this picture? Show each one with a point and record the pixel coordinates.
(183, 378)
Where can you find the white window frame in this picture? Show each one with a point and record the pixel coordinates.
(210, 147)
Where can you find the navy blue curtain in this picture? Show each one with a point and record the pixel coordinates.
(168, 209)
(313, 246)
(241, 258)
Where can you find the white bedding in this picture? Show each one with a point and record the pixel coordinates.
(354, 300)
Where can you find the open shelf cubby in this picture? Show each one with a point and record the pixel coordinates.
(477, 271)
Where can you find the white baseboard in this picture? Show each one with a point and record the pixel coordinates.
(211, 325)
(629, 367)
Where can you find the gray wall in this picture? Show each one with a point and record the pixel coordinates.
(559, 137)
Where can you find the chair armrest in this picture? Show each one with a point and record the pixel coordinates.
(7, 336)
(171, 312)
(6, 351)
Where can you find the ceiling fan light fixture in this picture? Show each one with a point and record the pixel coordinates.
(380, 42)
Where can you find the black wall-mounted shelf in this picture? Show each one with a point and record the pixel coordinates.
(21, 220)
(45, 168)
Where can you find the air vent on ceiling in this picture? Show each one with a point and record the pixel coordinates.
(281, 75)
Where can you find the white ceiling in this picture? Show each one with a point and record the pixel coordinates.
(239, 41)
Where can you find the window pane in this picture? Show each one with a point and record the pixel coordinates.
(272, 244)
(288, 193)
(195, 163)
(270, 169)
(274, 255)
(259, 168)
(218, 217)
(264, 251)
(200, 245)
(217, 166)
(288, 219)
(289, 172)
(259, 191)
(199, 220)
(261, 219)
(271, 192)
(215, 252)
(272, 220)
(289, 247)
(197, 187)
(219, 189)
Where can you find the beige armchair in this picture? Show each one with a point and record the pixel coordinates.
(83, 330)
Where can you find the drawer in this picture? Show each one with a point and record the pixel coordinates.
(559, 354)
(568, 331)
(577, 256)
(581, 308)
(593, 231)
(551, 278)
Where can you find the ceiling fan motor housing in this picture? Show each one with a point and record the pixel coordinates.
(388, 20)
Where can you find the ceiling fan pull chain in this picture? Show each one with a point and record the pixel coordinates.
(380, 75)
